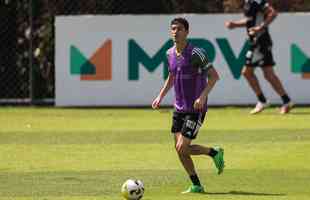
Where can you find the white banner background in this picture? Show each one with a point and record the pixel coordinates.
(150, 32)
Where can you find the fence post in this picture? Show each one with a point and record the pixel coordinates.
(31, 86)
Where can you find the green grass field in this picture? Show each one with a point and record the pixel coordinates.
(86, 154)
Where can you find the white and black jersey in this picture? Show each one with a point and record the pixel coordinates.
(254, 10)
(260, 51)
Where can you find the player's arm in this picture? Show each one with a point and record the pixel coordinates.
(200, 60)
(236, 24)
(167, 86)
(270, 14)
(213, 77)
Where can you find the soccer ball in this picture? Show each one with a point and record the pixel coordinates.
(132, 189)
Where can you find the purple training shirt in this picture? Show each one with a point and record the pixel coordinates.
(190, 76)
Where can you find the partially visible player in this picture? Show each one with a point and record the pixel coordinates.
(188, 72)
(258, 15)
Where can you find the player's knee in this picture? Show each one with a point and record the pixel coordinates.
(247, 73)
(182, 150)
(269, 76)
(178, 148)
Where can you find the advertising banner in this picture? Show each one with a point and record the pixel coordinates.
(120, 60)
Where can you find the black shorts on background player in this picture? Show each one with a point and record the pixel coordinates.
(260, 52)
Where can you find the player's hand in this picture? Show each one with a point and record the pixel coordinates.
(254, 30)
(156, 102)
(200, 103)
(229, 25)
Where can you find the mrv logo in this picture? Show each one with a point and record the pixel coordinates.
(137, 55)
(97, 67)
(300, 62)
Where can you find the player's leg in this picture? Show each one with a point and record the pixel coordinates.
(216, 153)
(185, 150)
(273, 79)
(196, 149)
(190, 130)
(248, 73)
(182, 147)
(276, 84)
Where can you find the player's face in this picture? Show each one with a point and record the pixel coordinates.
(178, 32)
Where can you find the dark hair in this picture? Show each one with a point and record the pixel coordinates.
(180, 20)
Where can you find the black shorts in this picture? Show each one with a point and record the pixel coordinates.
(260, 52)
(187, 123)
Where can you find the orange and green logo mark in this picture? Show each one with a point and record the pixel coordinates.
(300, 62)
(97, 67)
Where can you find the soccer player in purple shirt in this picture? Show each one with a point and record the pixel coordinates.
(258, 15)
(192, 77)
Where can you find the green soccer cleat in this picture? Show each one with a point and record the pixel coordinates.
(218, 160)
(194, 189)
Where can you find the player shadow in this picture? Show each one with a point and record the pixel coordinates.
(244, 193)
